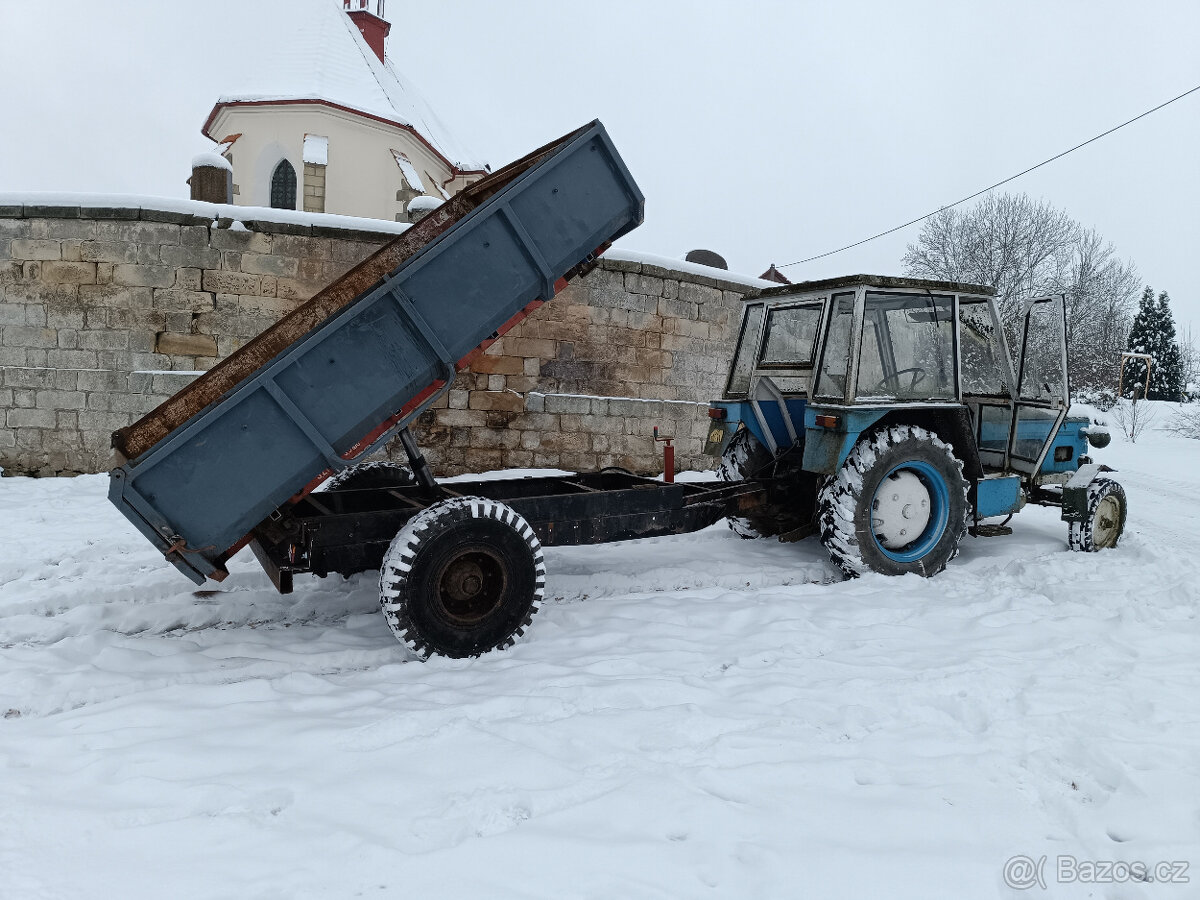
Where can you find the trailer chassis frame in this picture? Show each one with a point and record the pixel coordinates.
(349, 531)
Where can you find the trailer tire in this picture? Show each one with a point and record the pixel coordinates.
(865, 531)
(463, 577)
(1105, 522)
(380, 474)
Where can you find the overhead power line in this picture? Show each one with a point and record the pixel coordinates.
(1044, 162)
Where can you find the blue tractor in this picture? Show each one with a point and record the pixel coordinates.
(885, 415)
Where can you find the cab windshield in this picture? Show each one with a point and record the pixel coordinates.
(907, 350)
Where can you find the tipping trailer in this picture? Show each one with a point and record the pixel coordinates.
(233, 459)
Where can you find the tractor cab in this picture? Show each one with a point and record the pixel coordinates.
(818, 363)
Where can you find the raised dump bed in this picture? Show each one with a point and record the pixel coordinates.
(338, 377)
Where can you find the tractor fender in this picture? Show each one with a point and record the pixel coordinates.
(830, 433)
(827, 445)
(1075, 491)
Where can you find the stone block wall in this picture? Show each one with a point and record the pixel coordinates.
(583, 381)
(104, 313)
(314, 188)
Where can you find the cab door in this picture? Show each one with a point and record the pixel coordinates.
(1043, 394)
(989, 383)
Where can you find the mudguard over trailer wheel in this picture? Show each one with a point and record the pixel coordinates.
(897, 505)
(1105, 522)
(381, 474)
(462, 577)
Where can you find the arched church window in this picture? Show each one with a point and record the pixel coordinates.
(283, 186)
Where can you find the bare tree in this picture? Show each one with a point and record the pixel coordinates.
(1185, 422)
(1133, 417)
(1023, 248)
(1008, 242)
(1100, 299)
(1189, 362)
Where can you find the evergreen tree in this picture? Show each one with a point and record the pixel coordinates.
(1153, 333)
(1133, 382)
(1167, 382)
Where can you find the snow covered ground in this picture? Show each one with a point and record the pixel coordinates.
(688, 717)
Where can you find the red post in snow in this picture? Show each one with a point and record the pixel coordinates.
(668, 456)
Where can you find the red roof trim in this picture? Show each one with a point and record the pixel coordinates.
(349, 109)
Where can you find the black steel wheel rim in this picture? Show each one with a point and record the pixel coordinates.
(470, 586)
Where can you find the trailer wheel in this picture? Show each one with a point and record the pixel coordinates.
(381, 474)
(897, 505)
(1105, 521)
(463, 577)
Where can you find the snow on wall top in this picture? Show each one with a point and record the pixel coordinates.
(203, 209)
(315, 52)
(681, 265)
(424, 202)
(198, 208)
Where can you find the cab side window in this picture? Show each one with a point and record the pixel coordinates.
(791, 335)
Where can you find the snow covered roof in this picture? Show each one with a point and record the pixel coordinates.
(315, 52)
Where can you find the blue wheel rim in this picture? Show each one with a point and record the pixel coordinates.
(939, 514)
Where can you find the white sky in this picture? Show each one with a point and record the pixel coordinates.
(767, 131)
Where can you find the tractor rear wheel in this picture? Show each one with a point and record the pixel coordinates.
(1105, 521)
(463, 577)
(743, 458)
(788, 502)
(897, 505)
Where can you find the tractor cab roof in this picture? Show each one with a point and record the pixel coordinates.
(875, 281)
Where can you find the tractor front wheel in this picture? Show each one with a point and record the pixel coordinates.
(1105, 521)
